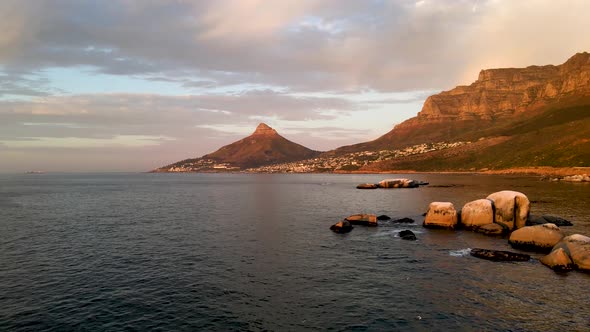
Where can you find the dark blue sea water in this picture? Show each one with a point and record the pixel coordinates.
(198, 252)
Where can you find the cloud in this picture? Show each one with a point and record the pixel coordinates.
(301, 45)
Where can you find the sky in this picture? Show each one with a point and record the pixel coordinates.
(125, 85)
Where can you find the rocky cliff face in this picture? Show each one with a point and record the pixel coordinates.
(497, 98)
(499, 93)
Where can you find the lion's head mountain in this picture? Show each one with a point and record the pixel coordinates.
(508, 117)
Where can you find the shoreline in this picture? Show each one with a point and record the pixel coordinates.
(541, 171)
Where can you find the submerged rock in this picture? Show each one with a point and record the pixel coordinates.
(558, 260)
(540, 220)
(407, 235)
(499, 255)
(367, 186)
(536, 238)
(398, 183)
(477, 213)
(383, 217)
(511, 208)
(362, 219)
(491, 229)
(441, 215)
(341, 227)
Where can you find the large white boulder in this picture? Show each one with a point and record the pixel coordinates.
(477, 213)
(398, 183)
(441, 215)
(558, 260)
(578, 248)
(512, 208)
(540, 237)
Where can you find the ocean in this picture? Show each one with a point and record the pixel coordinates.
(253, 252)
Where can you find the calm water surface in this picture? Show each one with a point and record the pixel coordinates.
(254, 252)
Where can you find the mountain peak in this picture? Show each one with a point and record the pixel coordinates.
(264, 129)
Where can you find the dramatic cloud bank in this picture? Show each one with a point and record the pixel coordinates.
(131, 85)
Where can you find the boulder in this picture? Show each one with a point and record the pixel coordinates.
(491, 229)
(578, 248)
(540, 220)
(383, 217)
(407, 235)
(499, 255)
(367, 186)
(404, 220)
(558, 260)
(441, 215)
(477, 213)
(536, 238)
(398, 183)
(511, 208)
(341, 227)
(362, 219)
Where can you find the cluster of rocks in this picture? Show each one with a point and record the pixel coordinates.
(501, 213)
(370, 220)
(392, 183)
(573, 178)
(507, 212)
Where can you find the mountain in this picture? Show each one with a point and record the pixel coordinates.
(265, 146)
(497, 98)
(515, 117)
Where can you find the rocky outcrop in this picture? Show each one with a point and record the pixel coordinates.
(441, 215)
(578, 249)
(341, 227)
(383, 217)
(398, 183)
(558, 260)
(512, 208)
(576, 178)
(407, 235)
(362, 219)
(536, 238)
(477, 213)
(499, 255)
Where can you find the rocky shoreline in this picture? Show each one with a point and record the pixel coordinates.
(505, 214)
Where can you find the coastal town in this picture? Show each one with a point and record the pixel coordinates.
(322, 164)
(351, 161)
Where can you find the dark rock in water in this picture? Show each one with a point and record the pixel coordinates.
(539, 220)
(499, 255)
(422, 183)
(383, 217)
(341, 227)
(407, 235)
(424, 214)
(404, 220)
(367, 186)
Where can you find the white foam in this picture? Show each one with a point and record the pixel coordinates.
(460, 252)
